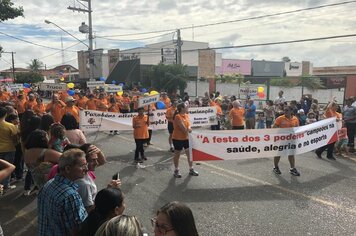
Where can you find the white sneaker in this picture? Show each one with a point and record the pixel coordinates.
(140, 166)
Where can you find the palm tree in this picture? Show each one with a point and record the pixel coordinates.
(35, 65)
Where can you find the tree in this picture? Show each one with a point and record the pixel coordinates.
(286, 59)
(30, 77)
(283, 82)
(168, 77)
(7, 11)
(234, 78)
(310, 82)
(35, 65)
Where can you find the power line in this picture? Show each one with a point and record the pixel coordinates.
(5, 61)
(238, 20)
(126, 40)
(32, 43)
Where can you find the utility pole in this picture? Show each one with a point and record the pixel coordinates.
(91, 56)
(179, 48)
(13, 63)
(62, 50)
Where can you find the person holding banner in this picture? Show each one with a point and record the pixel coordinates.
(286, 121)
(180, 138)
(140, 125)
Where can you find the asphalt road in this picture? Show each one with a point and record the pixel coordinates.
(228, 198)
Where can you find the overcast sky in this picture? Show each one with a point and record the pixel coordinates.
(113, 17)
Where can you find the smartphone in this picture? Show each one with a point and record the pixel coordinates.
(116, 176)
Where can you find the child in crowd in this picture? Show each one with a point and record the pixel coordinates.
(341, 144)
(310, 118)
(261, 120)
(58, 139)
(301, 117)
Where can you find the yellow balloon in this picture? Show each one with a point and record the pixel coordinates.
(153, 92)
(146, 94)
(260, 89)
(120, 93)
(61, 79)
(70, 85)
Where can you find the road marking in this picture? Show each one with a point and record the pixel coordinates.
(283, 189)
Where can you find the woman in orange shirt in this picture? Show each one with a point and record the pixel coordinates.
(180, 138)
(237, 115)
(91, 103)
(169, 116)
(140, 125)
(40, 108)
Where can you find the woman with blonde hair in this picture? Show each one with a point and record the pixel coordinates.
(122, 225)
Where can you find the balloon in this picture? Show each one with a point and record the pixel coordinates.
(61, 79)
(261, 94)
(26, 85)
(102, 78)
(260, 89)
(160, 105)
(153, 92)
(144, 90)
(70, 85)
(71, 92)
(146, 94)
(120, 93)
(113, 82)
(121, 84)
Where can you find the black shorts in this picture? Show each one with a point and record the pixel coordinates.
(180, 144)
(170, 127)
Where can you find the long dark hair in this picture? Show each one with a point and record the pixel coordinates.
(37, 139)
(181, 218)
(69, 122)
(46, 121)
(180, 107)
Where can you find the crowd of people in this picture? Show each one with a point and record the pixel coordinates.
(45, 140)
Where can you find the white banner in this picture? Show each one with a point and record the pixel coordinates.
(93, 84)
(101, 121)
(257, 143)
(15, 87)
(112, 88)
(142, 101)
(52, 87)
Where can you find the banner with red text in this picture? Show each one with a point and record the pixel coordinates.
(101, 121)
(257, 143)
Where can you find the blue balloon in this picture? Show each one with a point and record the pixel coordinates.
(26, 85)
(144, 90)
(71, 92)
(160, 105)
(102, 78)
(113, 82)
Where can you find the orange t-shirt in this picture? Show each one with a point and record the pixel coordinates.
(20, 106)
(237, 116)
(125, 101)
(29, 105)
(74, 110)
(63, 95)
(101, 105)
(330, 113)
(140, 132)
(167, 102)
(218, 110)
(4, 97)
(170, 112)
(114, 108)
(284, 122)
(81, 102)
(91, 104)
(56, 110)
(179, 134)
(40, 109)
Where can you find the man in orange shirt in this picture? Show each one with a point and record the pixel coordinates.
(20, 105)
(71, 108)
(91, 103)
(55, 107)
(82, 100)
(31, 102)
(125, 103)
(165, 99)
(286, 121)
(40, 108)
(237, 115)
(102, 103)
(169, 116)
(329, 112)
(140, 125)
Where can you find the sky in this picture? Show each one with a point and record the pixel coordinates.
(114, 19)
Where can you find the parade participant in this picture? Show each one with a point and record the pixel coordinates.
(174, 219)
(250, 115)
(180, 138)
(71, 108)
(91, 103)
(81, 101)
(109, 202)
(9, 138)
(329, 112)
(20, 105)
(39, 108)
(219, 114)
(121, 225)
(60, 207)
(237, 114)
(113, 106)
(169, 116)
(165, 99)
(72, 131)
(102, 103)
(140, 125)
(55, 108)
(3, 96)
(31, 102)
(286, 121)
(125, 103)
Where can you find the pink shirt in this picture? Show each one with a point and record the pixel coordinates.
(75, 136)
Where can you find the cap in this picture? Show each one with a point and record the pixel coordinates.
(300, 111)
(70, 99)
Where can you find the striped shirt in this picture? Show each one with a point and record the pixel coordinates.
(60, 207)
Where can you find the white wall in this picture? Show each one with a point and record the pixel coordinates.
(294, 93)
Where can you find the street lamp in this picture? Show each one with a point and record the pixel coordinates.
(90, 49)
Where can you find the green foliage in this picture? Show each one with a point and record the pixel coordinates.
(286, 59)
(234, 79)
(30, 77)
(310, 82)
(7, 11)
(35, 65)
(167, 77)
(283, 82)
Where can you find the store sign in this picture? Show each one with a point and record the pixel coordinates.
(267, 68)
(242, 67)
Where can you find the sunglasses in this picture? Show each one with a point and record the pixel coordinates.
(163, 229)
